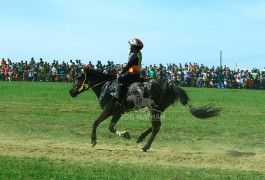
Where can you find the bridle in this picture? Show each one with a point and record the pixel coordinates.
(86, 84)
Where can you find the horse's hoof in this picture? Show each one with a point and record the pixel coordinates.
(126, 135)
(139, 140)
(144, 150)
(93, 142)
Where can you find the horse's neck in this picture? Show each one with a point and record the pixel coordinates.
(97, 85)
(97, 90)
(98, 81)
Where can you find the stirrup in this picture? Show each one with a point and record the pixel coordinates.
(120, 104)
(115, 95)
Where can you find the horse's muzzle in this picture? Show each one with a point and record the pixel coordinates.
(73, 93)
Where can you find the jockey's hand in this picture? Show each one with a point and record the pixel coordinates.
(118, 75)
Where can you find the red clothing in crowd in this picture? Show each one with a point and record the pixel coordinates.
(6, 69)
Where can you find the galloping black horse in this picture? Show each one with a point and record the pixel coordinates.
(155, 95)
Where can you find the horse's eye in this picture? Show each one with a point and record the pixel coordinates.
(79, 76)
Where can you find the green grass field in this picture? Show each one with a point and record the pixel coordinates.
(45, 134)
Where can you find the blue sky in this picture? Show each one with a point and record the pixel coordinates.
(172, 31)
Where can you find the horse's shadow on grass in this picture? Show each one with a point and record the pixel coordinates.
(240, 154)
(111, 150)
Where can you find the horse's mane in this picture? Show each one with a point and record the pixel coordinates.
(101, 75)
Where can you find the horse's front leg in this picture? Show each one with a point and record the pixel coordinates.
(113, 122)
(156, 123)
(103, 116)
(143, 135)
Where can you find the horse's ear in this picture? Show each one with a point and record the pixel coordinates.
(86, 69)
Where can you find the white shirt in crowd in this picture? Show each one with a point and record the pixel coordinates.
(54, 70)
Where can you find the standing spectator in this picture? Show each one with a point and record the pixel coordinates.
(61, 70)
(262, 79)
(187, 78)
(7, 73)
(109, 64)
(152, 73)
(143, 72)
(105, 71)
(30, 75)
(54, 72)
(160, 74)
(99, 66)
(2, 75)
(220, 79)
(254, 75)
(42, 69)
(34, 73)
(3, 62)
(19, 72)
(146, 70)
(180, 66)
(6, 69)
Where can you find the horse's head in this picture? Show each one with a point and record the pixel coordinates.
(80, 84)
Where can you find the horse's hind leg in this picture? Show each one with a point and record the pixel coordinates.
(156, 123)
(143, 135)
(103, 116)
(113, 122)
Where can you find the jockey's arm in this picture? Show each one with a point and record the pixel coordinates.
(125, 69)
(133, 59)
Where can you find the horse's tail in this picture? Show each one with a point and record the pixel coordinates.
(203, 112)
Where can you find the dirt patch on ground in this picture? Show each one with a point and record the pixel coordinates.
(208, 157)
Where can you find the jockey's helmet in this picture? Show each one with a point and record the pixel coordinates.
(136, 42)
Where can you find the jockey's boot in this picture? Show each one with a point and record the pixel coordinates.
(118, 95)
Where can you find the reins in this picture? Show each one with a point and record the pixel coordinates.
(102, 82)
(85, 84)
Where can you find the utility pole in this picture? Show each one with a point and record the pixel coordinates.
(220, 58)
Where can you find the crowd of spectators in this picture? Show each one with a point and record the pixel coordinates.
(188, 74)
